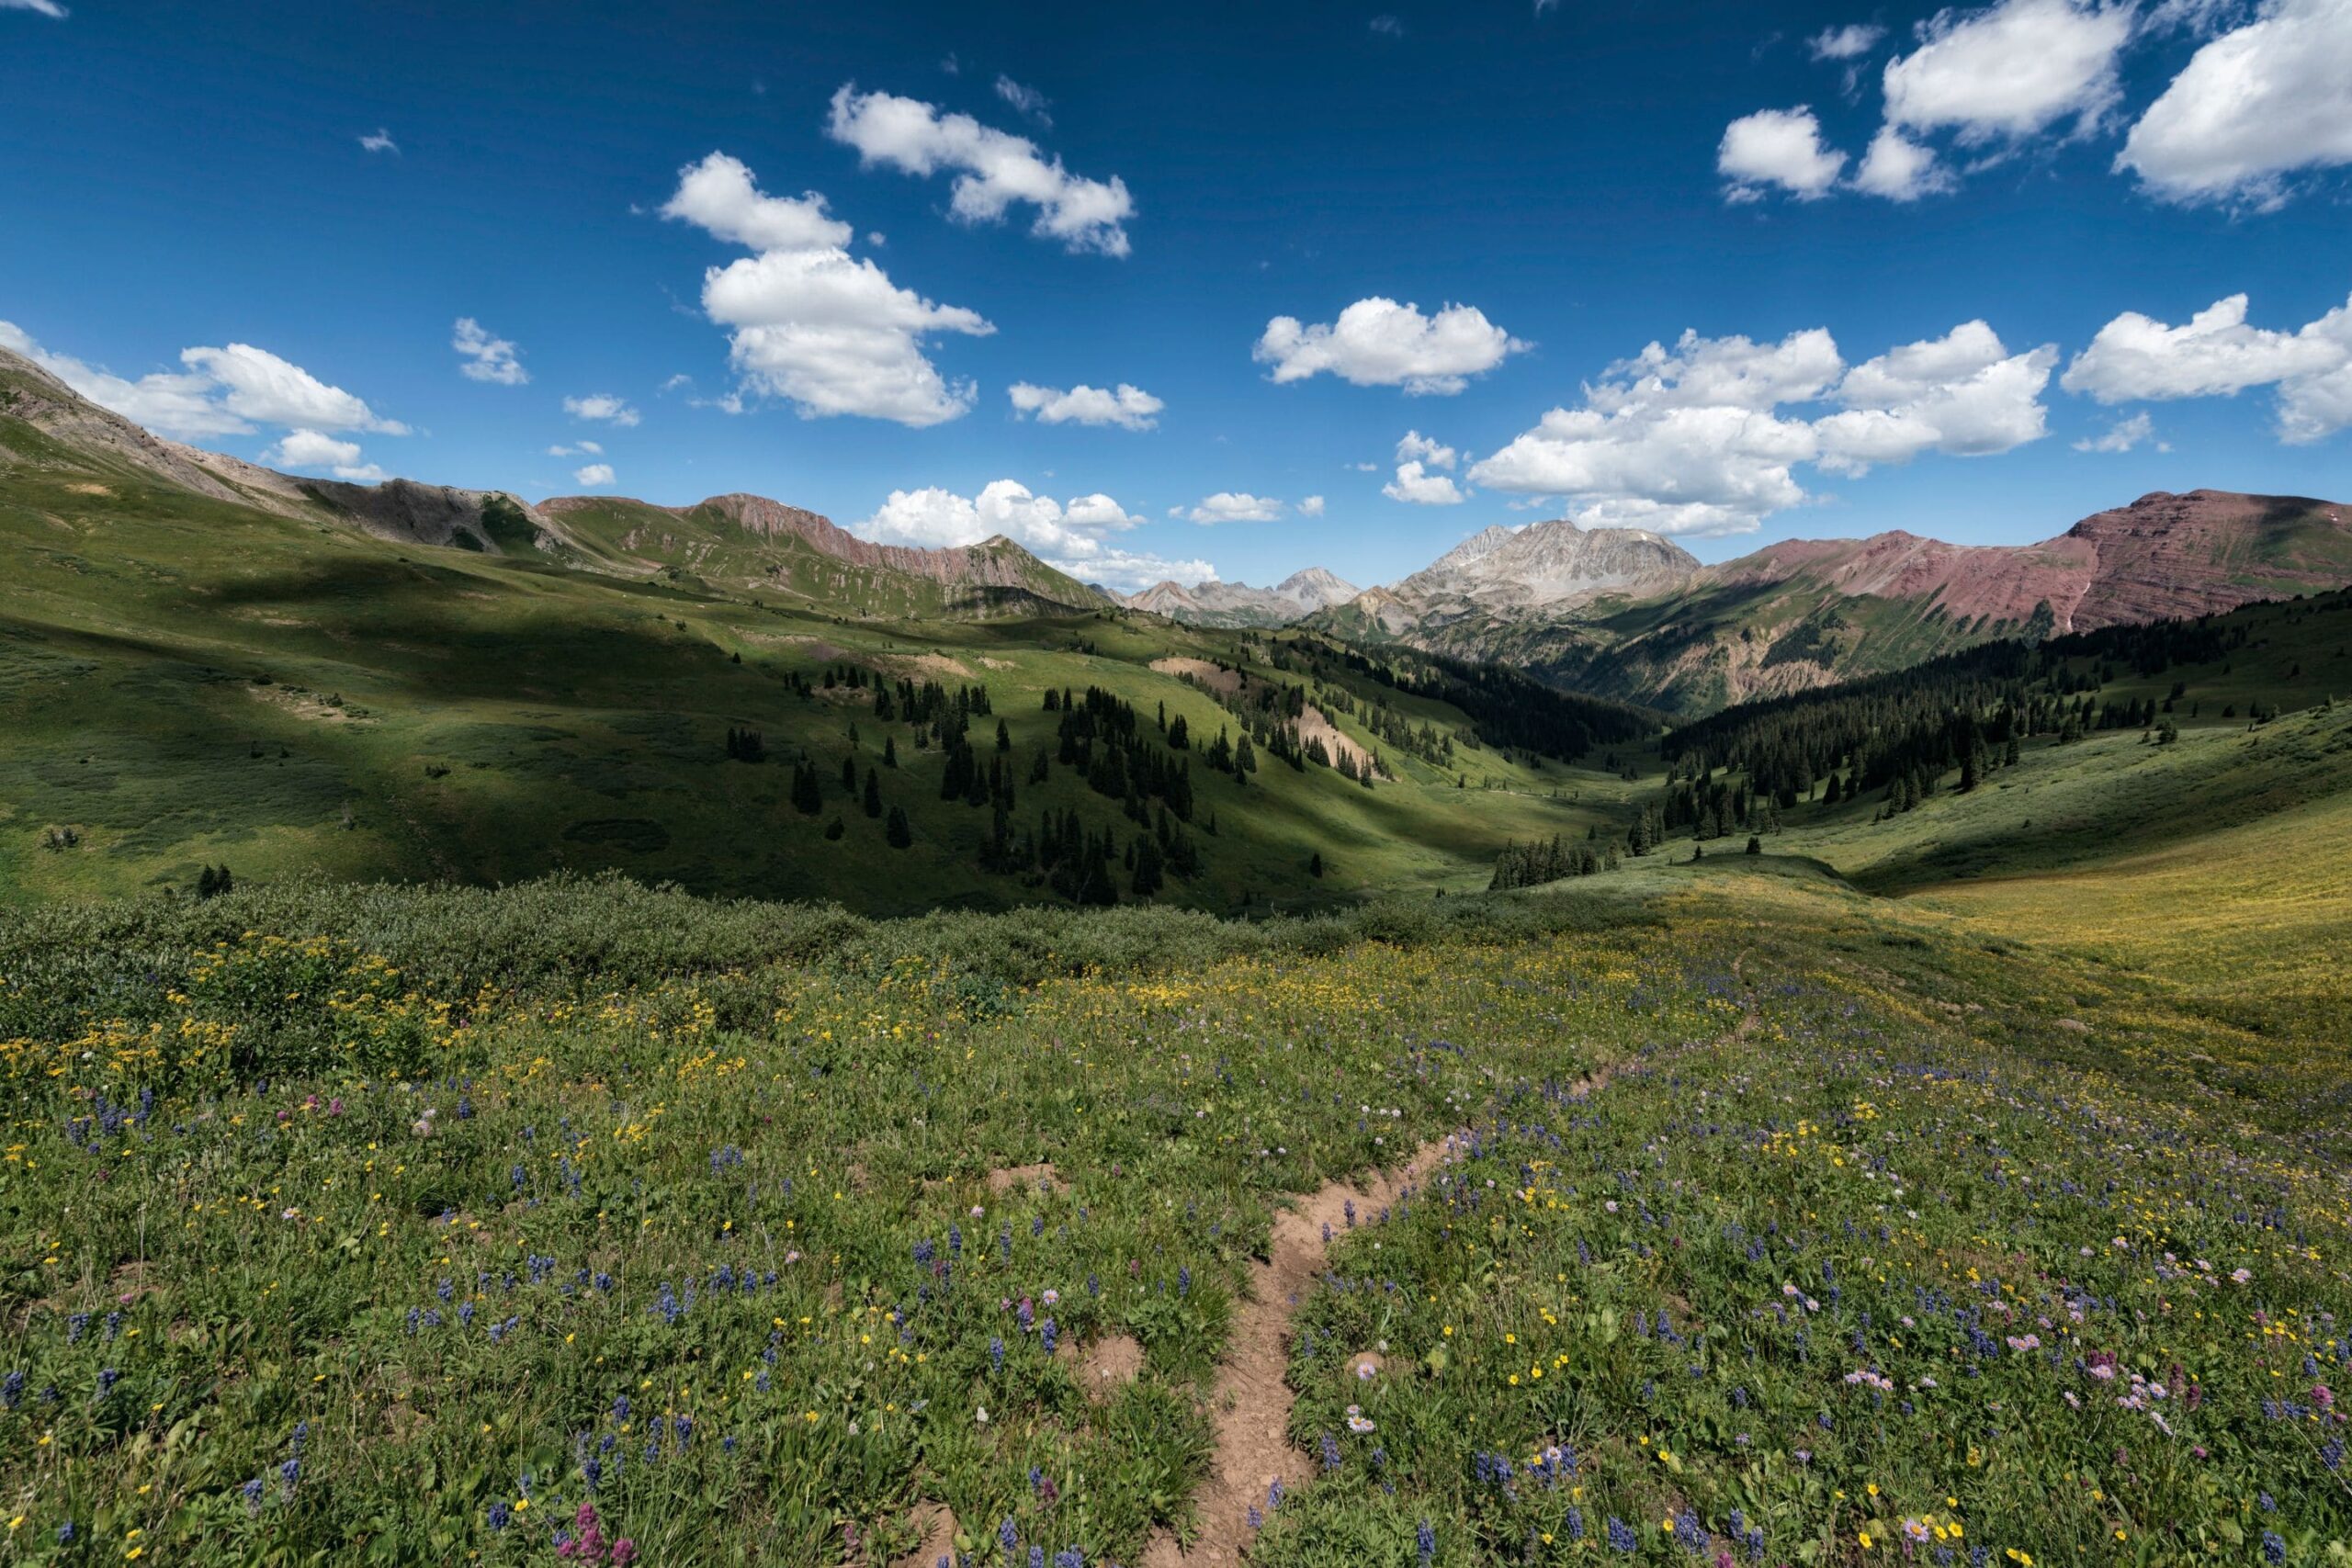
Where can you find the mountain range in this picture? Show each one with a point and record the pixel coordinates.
(1612, 612)
(1622, 613)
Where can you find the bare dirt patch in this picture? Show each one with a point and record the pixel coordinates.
(302, 704)
(1106, 1366)
(1023, 1178)
(938, 1544)
(1225, 683)
(87, 487)
(920, 664)
(1313, 724)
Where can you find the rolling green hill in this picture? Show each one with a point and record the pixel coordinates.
(279, 681)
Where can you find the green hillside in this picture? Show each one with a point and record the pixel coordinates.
(186, 682)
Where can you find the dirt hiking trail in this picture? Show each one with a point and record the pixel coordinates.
(1251, 1402)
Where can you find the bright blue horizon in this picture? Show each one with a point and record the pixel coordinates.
(186, 176)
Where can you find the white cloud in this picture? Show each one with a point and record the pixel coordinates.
(380, 140)
(1130, 407)
(1415, 484)
(1725, 371)
(1715, 470)
(1848, 42)
(1962, 394)
(2012, 70)
(314, 449)
(1071, 538)
(2258, 104)
(584, 449)
(1390, 26)
(594, 475)
(996, 168)
(2123, 436)
(1414, 444)
(223, 391)
(1311, 507)
(809, 323)
(2136, 358)
(1028, 100)
(1777, 147)
(175, 403)
(50, 9)
(1692, 439)
(487, 358)
(719, 196)
(1378, 343)
(1234, 506)
(258, 385)
(602, 407)
(1900, 169)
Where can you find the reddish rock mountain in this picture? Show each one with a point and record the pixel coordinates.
(1626, 617)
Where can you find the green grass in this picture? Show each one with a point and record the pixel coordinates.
(186, 682)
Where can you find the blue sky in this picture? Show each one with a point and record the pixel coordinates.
(1923, 259)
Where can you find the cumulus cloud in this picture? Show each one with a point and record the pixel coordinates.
(2136, 358)
(994, 168)
(173, 402)
(314, 449)
(1777, 148)
(1416, 484)
(258, 385)
(809, 323)
(1072, 537)
(2265, 101)
(1693, 439)
(380, 140)
(2012, 70)
(719, 197)
(1848, 42)
(584, 449)
(1131, 408)
(1417, 459)
(1414, 446)
(487, 358)
(602, 407)
(1900, 169)
(1027, 100)
(222, 391)
(2123, 436)
(1311, 507)
(1962, 394)
(594, 475)
(1233, 506)
(1378, 343)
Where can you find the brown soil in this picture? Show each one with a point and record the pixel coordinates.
(1107, 1365)
(1251, 1402)
(1023, 1178)
(1223, 681)
(938, 1528)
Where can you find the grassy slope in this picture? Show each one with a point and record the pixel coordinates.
(500, 719)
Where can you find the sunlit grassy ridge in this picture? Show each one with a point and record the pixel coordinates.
(186, 682)
(699, 1229)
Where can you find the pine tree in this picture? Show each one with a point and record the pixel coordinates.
(1004, 737)
(1315, 863)
(873, 793)
(836, 828)
(849, 775)
(896, 833)
(808, 795)
(889, 752)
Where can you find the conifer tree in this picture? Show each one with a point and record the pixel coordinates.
(873, 793)
(896, 833)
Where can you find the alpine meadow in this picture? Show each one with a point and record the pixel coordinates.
(667, 899)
